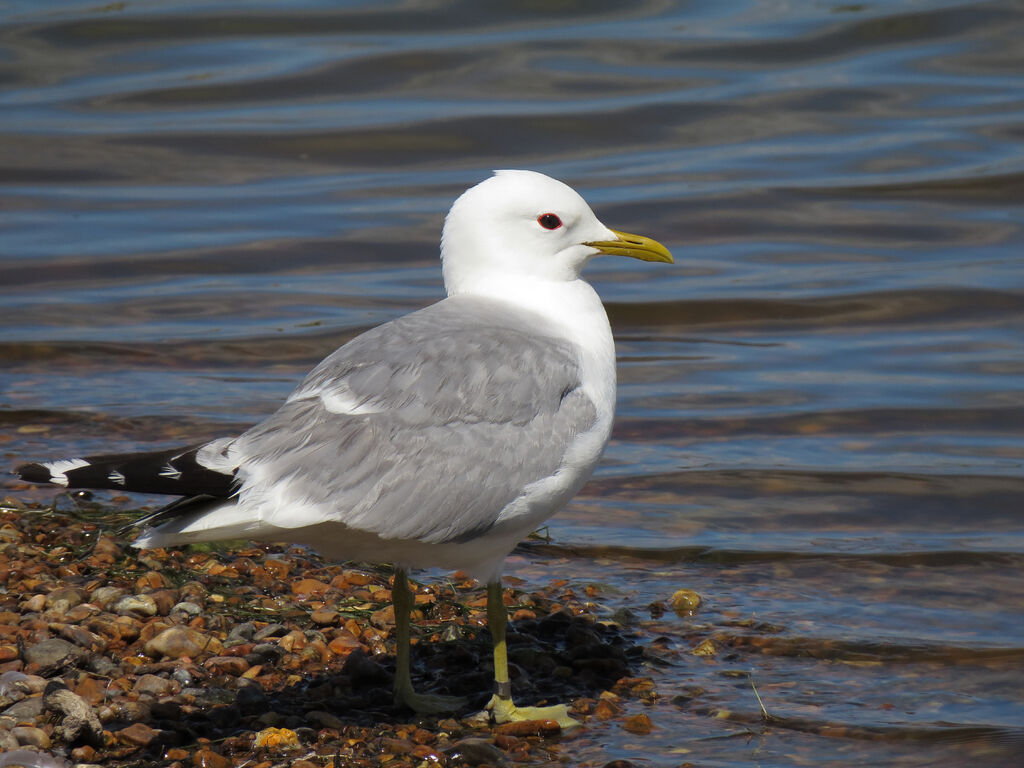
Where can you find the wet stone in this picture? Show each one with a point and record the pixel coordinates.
(176, 642)
(306, 588)
(207, 758)
(83, 754)
(104, 596)
(271, 630)
(268, 650)
(26, 710)
(638, 724)
(92, 689)
(325, 617)
(133, 711)
(227, 665)
(270, 722)
(344, 643)
(34, 604)
(152, 685)
(29, 736)
(522, 728)
(251, 698)
(193, 592)
(152, 580)
(165, 600)
(62, 599)
(167, 709)
(224, 717)
(102, 666)
(83, 638)
(241, 633)
(138, 735)
(16, 685)
(397, 746)
(54, 654)
(136, 605)
(383, 617)
(605, 710)
(705, 648)
(684, 602)
(475, 752)
(325, 719)
(7, 741)
(191, 610)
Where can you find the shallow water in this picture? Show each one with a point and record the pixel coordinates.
(820, 406)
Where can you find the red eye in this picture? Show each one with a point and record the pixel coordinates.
(549, 221)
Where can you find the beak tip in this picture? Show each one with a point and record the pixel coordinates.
(634, 246)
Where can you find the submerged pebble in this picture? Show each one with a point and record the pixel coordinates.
(684, 602)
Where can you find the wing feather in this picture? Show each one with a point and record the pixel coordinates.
(424, 428)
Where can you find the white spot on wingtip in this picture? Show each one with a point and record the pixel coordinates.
(58, 468)
(117, 477)
(170, 472)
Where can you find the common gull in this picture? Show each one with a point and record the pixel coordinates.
(438, 439)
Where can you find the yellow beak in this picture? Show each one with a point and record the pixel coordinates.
(635, 246)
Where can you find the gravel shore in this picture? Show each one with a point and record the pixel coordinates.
(265, 656)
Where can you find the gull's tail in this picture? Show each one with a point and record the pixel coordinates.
(202, 476)
(180, 472)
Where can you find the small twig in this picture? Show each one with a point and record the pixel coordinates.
(764, 711)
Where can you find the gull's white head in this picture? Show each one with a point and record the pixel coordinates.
(526, 224)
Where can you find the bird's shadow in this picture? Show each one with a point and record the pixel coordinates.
(555, 659)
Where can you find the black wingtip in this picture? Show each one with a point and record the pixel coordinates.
(33, 473)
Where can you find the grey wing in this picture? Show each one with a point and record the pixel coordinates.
(424, 428)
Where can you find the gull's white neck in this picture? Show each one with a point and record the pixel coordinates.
(572, 309)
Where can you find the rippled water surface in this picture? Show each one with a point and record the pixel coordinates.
(820, 407)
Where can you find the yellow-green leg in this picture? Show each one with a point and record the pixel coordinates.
(423, 704)
(501, 704)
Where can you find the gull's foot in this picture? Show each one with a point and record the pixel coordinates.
(427, 704)
(505, 711)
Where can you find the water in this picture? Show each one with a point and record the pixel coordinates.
(820, 406)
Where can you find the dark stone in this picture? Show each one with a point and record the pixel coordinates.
(362, 670)
(265, 651)
(138, 735)
(224, 717)
(134, 711)
(241, 633)
(152, 685)
(55, 654)
(251, 699)
(102, 666)
(26, 709)
(168, 709)
(580, 634)
(271, 630)
(475, 752)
